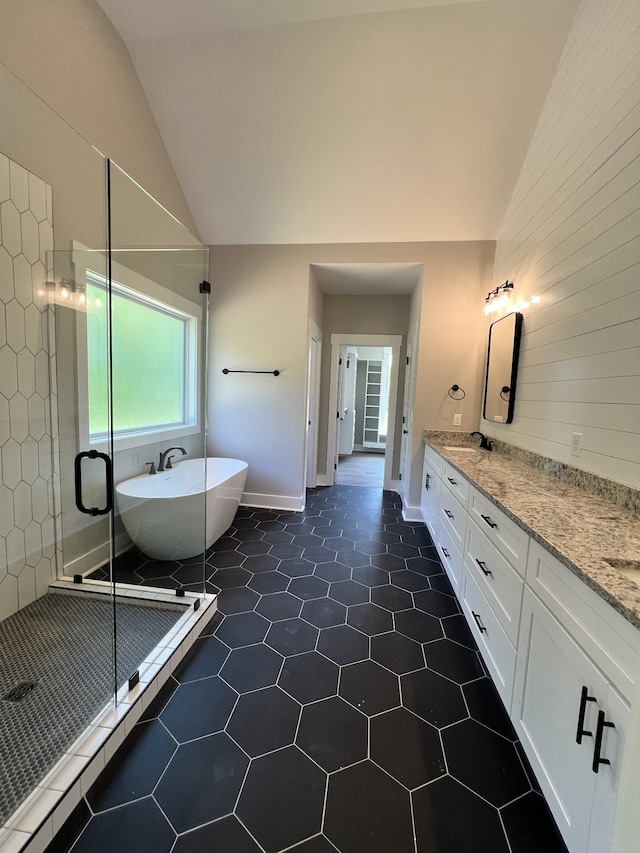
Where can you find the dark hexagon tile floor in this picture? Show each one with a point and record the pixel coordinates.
(336, 702)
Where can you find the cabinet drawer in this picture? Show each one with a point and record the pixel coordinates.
(451, 557)
(434, 459)
(500, 584)
(496, 649)
(456, 483)
(501, 531)
(453, 517)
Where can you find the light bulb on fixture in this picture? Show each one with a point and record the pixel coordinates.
(498, 299)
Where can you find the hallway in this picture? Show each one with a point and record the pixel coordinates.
(361, 469)
(335, 703)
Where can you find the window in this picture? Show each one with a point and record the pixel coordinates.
(153, 363)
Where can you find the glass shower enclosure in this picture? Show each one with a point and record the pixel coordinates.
(103, 317)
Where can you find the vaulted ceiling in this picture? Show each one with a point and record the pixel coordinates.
(345, 121)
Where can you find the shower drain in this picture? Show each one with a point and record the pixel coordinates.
(19, 692)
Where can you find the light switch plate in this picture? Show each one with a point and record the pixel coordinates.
(457, 420)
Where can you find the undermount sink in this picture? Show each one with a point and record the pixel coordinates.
(461, 449)
(629, 568)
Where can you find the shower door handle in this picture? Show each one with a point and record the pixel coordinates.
(94, 454)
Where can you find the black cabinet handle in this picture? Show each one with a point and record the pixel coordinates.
(483, 567)
(94, 510)
(597, 748)
(427, 478)
(452, 481)
(448, 513)
(488, 520)
(581, 731)
(446, 553)
(481, 627)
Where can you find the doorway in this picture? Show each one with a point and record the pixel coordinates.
(362, 401)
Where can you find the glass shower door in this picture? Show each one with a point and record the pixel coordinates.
(158, 320)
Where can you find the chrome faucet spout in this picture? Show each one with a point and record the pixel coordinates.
(166, 463)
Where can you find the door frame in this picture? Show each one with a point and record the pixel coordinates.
(314, 366)
(338, 341)
(407, 415)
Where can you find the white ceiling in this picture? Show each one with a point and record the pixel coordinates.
(367, 279)
(345, 121)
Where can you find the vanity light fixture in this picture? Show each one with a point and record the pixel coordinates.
(67, 293)
(498, 298)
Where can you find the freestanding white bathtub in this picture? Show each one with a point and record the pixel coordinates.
(178, 513)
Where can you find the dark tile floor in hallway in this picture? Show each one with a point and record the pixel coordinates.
(336, 702)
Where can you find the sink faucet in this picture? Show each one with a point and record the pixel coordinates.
(166, 463)
(485, 444)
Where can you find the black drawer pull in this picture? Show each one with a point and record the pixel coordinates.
(446, 553)
(581, 731)
(488, 520)
(448, 513)
(426, 481)
(452, 481)
(481, 627)
(483, 567)
(597, 749)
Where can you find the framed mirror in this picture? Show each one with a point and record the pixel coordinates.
(502, 368)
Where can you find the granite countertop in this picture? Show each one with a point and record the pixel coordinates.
(580, 529)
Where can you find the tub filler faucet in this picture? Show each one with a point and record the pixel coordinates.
(166, 463)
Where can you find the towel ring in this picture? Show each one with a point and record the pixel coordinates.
(455, 389)
(505, 390)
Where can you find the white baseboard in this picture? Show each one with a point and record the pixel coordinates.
(96, 557)
(88, 562)
(411, 513)
(284, 502)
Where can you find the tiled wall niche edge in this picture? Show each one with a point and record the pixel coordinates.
(28, 401)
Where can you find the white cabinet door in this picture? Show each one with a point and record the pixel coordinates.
(558, 694)
(430, 496)
(615, 710)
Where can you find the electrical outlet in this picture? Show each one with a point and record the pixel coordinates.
(457, 420)
(576, 444)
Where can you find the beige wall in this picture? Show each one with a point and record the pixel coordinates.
(570, 237)
(71, 56)
(259, 313)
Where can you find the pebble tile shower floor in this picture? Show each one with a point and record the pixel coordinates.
(337, 702)
(64, 645)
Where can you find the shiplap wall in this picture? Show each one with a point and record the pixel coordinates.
(572, 237)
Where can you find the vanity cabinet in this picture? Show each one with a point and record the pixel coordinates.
(452, 523)
(430, 495)
(497, 651)
(571, 700)
(563, 660)
(492, 601)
